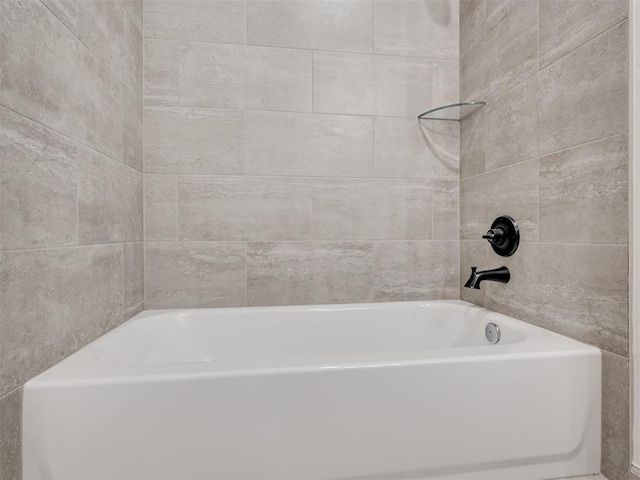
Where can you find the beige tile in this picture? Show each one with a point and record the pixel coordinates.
(509, 191)
(212, 75)
(371, 209)
(584, 193)
(281, 143)
(109, 200)
(132, 152)
(408, 148)
(194, 275)
(472, 143)
(11, 439)
(445, 199)
(161, 60)
(512, 126)
(160, 208)
(198, 20)
(178, 140)
(244, 208)
(580, 291)
(423, 270)
(38, 185)
(475, 253)
(133, 257)
(283, 273)
(566, 25)
(65, 10)
(472, 23)
(615, 417)
(585, 93)
(53, 303)
(278, 79)
(415, 28)
(498, 10)
(48, 76)
(312, 24)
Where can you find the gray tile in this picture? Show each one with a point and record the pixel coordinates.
(65, 10)
(135, 10)
(194, 141)
(284, 273)
(566, 25)
(474, 253)
(53, 303)
(312, 24)
(584, 193)
(11, 439)
(38, 180)
(423, 270)
(509, 191)
(133, 278)
(615, 417)
(198, 20)
(278, 79)
(371, 209)
(472, 23)
(202, 274)
(408, 148)
(585, 93)
(445, 198)
(410, 27)
(309, 144)
(110, 200)
(472, 143)
(161, 60)
(160, 208)
(498, 10)
(244, 208)
(132, 152)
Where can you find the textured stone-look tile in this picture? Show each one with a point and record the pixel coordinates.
(109, 200)
(415, 28)
(312, 24)
(212, 75)
(281, 143)
(584, 193)
(585, 93)
(278, 79)
(445, 199)
(48, 76)
(566, 25)
(194, 141)
(161, 60)
(132, 152)
(512, 126)
(133, 258)
(53, 303)
(198, 20)
(202, 274)
(472, 143)
(371, 209)
(160, 208)
(65, 10)
(11, 438)
(504, 57)
(421, 270)
(509, 191)
(244, 208)
(472, 23)
(474, 253)
(498, 10)
(297, 273)
(408, 148)
(38, 185)
(615, 417)
(577, 290)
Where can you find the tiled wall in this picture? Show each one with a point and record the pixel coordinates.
(71, 186)
(283, 160)
(550, 149)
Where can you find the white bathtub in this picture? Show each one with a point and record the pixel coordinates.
(371, 391)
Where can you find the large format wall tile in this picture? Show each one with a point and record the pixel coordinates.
(416, 270)
(309, 272)
(54, 302)
(161, 61)
(472, 23)
(309, 144)
(312, 24)
(244, 208)
(38, 185)
(198, 20)
(584, 193)
(180, 140)
(65, 10)
(160, 208)
(615, 416)
(201, 274)
(586, 93)
(11, 438)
